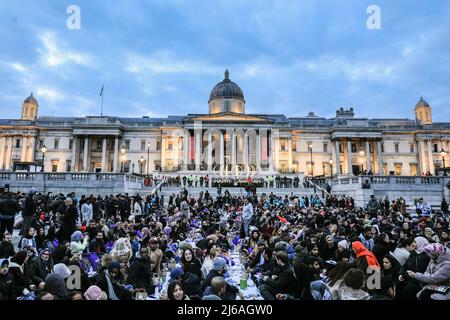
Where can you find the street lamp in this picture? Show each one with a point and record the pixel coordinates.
(141, 161)
(331, 168)
(361, 152)
(361, 161)
(43, 150)
(312, 168)
(148, 156)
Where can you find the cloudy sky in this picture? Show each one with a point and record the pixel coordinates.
(163, 57)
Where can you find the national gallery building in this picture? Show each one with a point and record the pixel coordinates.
(226, 139)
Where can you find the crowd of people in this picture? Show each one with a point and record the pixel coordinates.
(123, 247)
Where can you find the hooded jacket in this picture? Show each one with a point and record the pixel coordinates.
(6, 285)
(39, 269)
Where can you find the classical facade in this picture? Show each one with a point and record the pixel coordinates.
(227, 140)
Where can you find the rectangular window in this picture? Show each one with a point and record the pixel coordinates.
(158, 145)
(435, 147)
(340, 149)
(99, 144)
(382, 148)
(142, 145)
(294, 146)
(413, 169)
(56, 144)
(325, 147)
(127, 144)
(169, 146)
(396, 147)
(69, 165)
(55, 165)
(157, 164)
(18, 143)
(411, 149)
(41, 144)
(398, 169)
(353, 147)
(70, 143)
(283, 145)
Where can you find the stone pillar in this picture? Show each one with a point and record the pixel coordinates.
(369, 167)
(163, 153)
(233, 148)
(222, 152)
(23, 156)
(74, 154)
(209, 151)
(246, 151)
(8, 155)
(430, 157)
(116, 155)
(186, 149)
(30, 152)
(349, 156)
(338, 158)
(2, 151)
(197, 150)
(380, 159)
(270, 151)
(104, 162)
(422, 160)
(289, 154)
(85, 154)
(258, 150)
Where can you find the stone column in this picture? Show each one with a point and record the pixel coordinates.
(2, 151)
(233, 148)
(85, 154)
(30, 152)
(209, 159)
(369, 167)
(258, 150)
(349, 155)
(23, 156)
(246, 151)
(104, 162)
(430, 157)
(338, 158)
(422, 160)
(185, 149)
(380, 159)
(289, 154)
(197, 150)
(116, 154)
(270, 151)
(8, 155)
(222, 152)
(74, 154)
(163, 153)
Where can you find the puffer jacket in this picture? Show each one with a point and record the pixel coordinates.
(438, 273)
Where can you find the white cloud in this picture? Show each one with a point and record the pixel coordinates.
(49, 94)
(164, 61)
(53, 54)
(18, 67)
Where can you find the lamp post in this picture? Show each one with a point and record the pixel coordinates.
(312, 168)
(443, 153)
(331, 168)
(148, 156)
(122, 151)
(132, 168)
(141, 162)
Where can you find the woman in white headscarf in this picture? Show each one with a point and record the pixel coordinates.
(122, 249)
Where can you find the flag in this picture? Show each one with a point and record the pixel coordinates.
(101, 91)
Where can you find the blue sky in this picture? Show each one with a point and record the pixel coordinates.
(163, 57)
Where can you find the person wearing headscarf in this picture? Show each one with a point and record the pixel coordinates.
(95, 293)
(390, 267)
(122, 248)
(381, 247)
(417, 262)
(56, 285)
(62, 270)
(437, 273)
(18, 267)
(145, 237)
(77, 243)
(343, 251)
(364, 258)
(108, 282)
(40, 267)
(7, 291)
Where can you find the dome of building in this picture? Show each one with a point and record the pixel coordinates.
(226, 89)
(226, 96)
(31, 99)
(422, 104)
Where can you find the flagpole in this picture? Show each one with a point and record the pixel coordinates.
(101, 112)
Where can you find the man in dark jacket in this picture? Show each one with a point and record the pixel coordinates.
(283, 283)
(69, 219)
(8, 209)
(28, 212)
(140, 274)
(7, 291)
(219, 268)
(6, 247)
